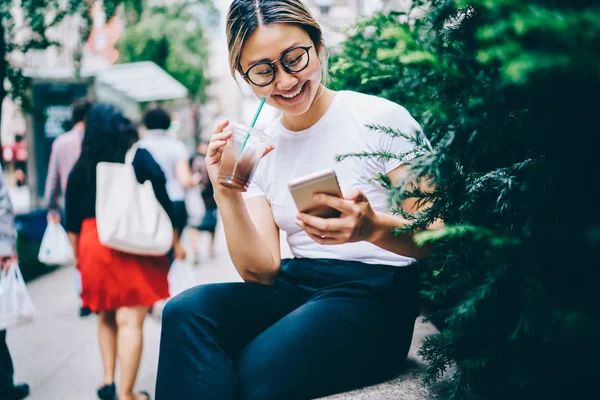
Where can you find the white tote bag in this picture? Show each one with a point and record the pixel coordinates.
(181, 277)
(55, 248)
(128, 215)
(16, 307)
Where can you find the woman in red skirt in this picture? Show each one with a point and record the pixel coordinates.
(120, 287)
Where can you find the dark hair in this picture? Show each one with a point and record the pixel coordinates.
(157, 118)
(245, 16)
(81, 108)
(108, 135)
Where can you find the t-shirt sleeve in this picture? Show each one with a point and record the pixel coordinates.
(399, 119)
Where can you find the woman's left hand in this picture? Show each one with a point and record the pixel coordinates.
(357, 222)
(6, 262)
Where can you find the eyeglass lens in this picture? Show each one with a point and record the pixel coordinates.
(294, 60)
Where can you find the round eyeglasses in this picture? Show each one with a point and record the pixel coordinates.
(292, 60)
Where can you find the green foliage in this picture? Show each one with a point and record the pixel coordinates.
(30, 34)
(505, 90)
(173, 38)
(133, 9)
(38, 17)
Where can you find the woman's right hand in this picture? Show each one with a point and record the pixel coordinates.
(215, 151)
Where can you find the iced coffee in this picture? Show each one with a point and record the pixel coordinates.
(241, 156)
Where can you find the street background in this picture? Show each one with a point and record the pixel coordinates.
(58, 355)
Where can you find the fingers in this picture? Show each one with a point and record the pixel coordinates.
(356, 196)
(6, 262)
(313, 230)
(327, 225)
(324, 240)
(220, 136)
(343, 205)
(221, 125)
(269, 149)
(217, 142)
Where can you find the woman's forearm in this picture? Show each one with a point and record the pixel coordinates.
(251, 255)
(402, 244)
(185, 176)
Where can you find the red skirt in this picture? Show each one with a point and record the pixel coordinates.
(111, 279)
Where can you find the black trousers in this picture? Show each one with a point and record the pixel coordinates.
(6, 364)
(325, 326)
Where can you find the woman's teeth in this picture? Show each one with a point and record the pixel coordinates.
(291, 96)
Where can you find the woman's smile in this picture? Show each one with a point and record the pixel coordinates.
(294, 96)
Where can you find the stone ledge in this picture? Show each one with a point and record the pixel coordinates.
(408, 385)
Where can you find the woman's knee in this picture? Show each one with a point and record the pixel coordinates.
(189, 305)
(131, 316)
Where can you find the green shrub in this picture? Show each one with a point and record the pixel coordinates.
(506, 91)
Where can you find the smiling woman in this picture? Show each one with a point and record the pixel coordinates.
(341, 313)
(264, 33)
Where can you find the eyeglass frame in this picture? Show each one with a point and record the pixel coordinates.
(280, 59)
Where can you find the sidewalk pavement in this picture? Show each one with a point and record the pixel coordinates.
(58, 353)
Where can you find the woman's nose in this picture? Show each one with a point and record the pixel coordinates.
(285, 80)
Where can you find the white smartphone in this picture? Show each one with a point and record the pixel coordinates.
(304, 188)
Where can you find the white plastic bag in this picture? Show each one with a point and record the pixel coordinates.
(181, 277)
(55, 248)
(16, 307)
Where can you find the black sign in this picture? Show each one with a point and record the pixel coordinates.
(52, 115)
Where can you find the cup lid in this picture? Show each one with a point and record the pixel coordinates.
(244, 129)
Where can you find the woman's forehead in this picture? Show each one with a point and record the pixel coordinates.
(269, 41)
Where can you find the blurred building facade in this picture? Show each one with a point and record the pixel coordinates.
(62, 73)
(99, 52)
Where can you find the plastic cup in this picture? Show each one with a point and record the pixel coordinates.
(241, 156)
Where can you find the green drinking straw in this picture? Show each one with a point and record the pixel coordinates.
(262, 103)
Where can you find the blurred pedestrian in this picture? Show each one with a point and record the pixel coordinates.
(65, 152)
(120, 287)
(172, 156)
(19, 150)
(8, 255)
(209, 221)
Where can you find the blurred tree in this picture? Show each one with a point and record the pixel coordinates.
(174, 38)
(24, 27)
(505, 91)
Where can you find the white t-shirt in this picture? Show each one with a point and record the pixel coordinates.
(167, 151)
(341, 130)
